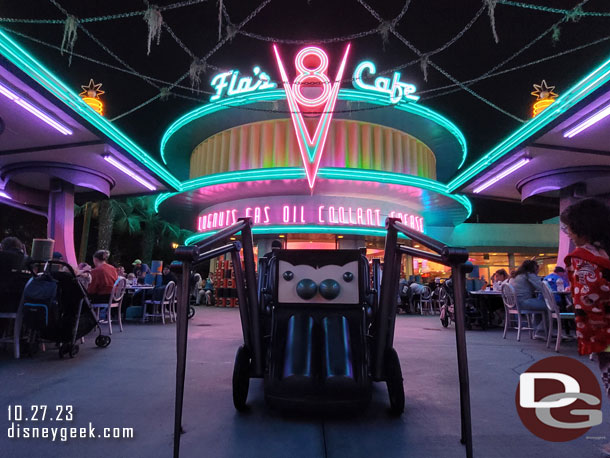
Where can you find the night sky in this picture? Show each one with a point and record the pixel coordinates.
(427, 24)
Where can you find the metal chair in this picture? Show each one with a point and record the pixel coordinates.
(425, 300)
(512, 309)
(554, 314)
(115, 301)
(162, 306)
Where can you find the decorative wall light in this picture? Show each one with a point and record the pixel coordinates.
(11, 95)
(544, 97)
(591, 120)
(91, 96)
(123, 168)
(504, 173)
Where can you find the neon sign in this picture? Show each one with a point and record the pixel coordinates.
(305, 210)
(234, 86)
(311, 63)
(312, 93)
(394, 88)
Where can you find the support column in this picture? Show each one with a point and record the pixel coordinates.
(60, 225)
(566, 198)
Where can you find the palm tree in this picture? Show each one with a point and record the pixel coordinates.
(133, 215)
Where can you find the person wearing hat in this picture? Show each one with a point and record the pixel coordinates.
(140, 270)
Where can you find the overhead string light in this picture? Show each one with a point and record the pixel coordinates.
(446, 74)
(456, 86)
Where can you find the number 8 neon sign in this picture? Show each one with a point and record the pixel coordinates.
(311, 147)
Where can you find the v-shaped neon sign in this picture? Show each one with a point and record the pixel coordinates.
(311, 64)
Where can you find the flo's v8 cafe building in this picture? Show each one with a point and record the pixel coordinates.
(319, 156)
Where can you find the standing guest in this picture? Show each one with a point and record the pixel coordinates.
(140, 270)
(528, 289)
(103, 277)
(587, 223)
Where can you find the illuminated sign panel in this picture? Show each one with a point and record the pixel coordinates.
(307, 210)
(311, 64)
(227, 84)
(393, 88)
(312, 93)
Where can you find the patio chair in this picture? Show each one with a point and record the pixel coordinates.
(425, 301)
(436, 300)
(513, 310)
(162, 306)
(554, 315)
(115, 301)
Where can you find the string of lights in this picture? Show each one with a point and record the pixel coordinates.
(436, 67)
(511, 57)
(108, 17)
(512, 69)
(210, 53)
(548, 9)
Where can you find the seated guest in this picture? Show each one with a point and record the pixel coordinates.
(103, 277)
(499, 278)
(208, 289)
(558, 274)
(120, 270)
(84, 275)
(12, 255)
(140, 270)
(528, 289)
(168, 276)
(13, 262)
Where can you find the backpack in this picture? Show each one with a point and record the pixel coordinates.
(40, 305)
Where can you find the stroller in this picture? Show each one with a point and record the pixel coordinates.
(55, 308)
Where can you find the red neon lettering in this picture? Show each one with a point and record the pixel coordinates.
(257, 215)
(234, 215)
(248, 212)
(221, 219)
(215, 219)
(412, 221)
(377, 216)
(369, 217)
(302, 213)
(266, 209)
(342, 215)
(331, 214)
(286, 214)
(349, 212)
(320, 219)
(360, 216)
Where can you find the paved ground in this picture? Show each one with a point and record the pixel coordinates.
(131, 384)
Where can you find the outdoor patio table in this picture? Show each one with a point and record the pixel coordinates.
(133, 289)
(484, 300)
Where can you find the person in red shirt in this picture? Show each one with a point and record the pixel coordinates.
(103, 277)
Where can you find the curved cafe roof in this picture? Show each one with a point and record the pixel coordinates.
(558, 158)
(428, 197)
(437, 132)
(32, 151)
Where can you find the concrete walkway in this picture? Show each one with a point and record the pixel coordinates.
(131, 384)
